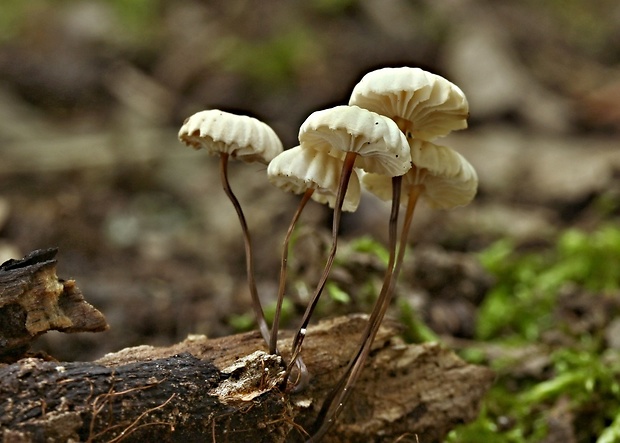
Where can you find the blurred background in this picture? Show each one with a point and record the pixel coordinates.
(93, 92)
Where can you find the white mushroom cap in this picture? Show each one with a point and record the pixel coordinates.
(381, 146)
(425, 105)
(448, 179)
(298, 169)
(244, 138)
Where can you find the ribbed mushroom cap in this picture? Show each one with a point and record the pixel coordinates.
(381, 146)
(244, 138)
(448, 179)
(425, 105)
(298, 169)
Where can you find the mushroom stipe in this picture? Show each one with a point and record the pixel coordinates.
(247, 242)
(347, 169)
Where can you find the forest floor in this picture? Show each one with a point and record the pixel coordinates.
(525, 279)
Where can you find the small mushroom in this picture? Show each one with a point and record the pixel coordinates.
(425, 105)
(447, 179)
(373, 140)
(239, 137)
(316, 175)
(362, 139)
(300, 170)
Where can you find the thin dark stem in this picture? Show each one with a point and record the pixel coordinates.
(347, 169)
(283, 270)
(249, 261)
(414, 195)
(337, 399)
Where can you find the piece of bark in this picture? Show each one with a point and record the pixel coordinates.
(228, 390)
(33, 300)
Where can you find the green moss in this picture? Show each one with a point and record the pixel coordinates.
(582, 376)
(242, 322)
(522, 301)
(369, 245)
(416, 331)
(337, 294)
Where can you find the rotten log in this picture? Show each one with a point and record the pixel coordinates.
(224, 390)
(228, 390)
(33, 300)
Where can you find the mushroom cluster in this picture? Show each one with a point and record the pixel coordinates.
(381, 141)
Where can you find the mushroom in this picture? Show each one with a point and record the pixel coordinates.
(316, 175)
(302, 169)
(447, 179)
(441, 176)
(372, 141)
(360, 138)
(425, 106)
(240, 137)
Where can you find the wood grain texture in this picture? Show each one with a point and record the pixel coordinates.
(229, 390)
(33, 300)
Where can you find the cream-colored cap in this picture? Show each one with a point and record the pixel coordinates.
(448, 179)
(244, 138)
(425, 105)
(381, 146)
(299, 169)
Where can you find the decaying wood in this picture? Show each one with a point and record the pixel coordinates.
(224, 390)
(33, 300)
(228, 390)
